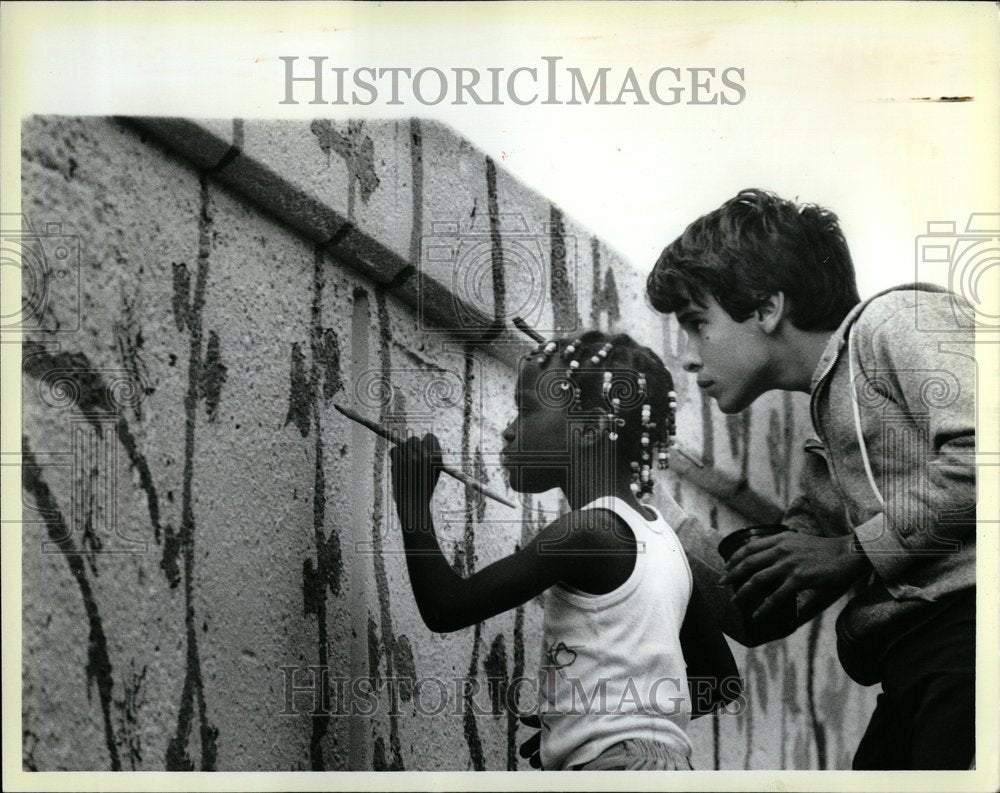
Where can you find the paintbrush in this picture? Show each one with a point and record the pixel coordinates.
(535, 336)
(395, 437)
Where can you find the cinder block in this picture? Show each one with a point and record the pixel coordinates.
(205, 142)
(527, 237)
(321, 175)
(454, 234)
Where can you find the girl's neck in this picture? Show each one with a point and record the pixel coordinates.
(582, 492)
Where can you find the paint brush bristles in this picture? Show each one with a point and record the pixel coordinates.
(395, 437)
(687, 456)
(528, 331)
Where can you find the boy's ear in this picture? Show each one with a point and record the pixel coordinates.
(771, 312)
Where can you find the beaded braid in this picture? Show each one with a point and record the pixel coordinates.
(649, 439)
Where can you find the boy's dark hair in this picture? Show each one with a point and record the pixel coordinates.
(753, 246)
(626, 359)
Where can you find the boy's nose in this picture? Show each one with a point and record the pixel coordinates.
(690, 360)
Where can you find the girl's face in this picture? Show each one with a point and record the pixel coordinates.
(536, 452)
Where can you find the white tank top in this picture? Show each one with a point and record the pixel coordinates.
(612, 666)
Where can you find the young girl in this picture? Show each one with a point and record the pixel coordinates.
(593, 414)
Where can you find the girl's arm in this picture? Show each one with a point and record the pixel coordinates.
(562, 551)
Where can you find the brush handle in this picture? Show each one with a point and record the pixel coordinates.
(395, 437)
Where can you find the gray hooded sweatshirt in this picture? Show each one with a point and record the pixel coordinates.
(893, 408)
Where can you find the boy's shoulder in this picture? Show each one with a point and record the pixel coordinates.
(911, 308)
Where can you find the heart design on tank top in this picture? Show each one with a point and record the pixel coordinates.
(559, 656)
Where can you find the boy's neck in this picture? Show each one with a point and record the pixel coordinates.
(796, 357)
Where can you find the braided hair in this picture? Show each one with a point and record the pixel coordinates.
(627, 381)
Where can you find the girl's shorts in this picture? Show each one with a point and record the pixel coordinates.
(637, 754)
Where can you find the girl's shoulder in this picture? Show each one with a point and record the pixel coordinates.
(597, 528)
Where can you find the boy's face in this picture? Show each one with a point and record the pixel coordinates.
(730, 359)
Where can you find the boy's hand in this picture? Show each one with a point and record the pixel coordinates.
(531, 748)
(781, 565)
(416, 468)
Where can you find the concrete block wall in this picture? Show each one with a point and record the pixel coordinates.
(212, 570)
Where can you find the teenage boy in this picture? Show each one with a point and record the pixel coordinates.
(765, 292)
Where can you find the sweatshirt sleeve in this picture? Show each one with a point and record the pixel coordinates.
(816, 511)
(928, 479)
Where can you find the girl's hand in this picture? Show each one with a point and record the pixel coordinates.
(416, 468)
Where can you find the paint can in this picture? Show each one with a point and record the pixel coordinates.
(781, 621)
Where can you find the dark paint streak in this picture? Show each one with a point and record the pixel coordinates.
(374, 653)
(775, 451)
(481, 474)
(311, 589)
(358, 153)
(605, 298)
(682, 381)
(470, 728)
(213, 376)
(95, 399)
(304, 409)
(179, 300)
(738, 430)
(819, 729)
(495, 669)
(595, 280)
(329, 355)
(942, 99)
(177, 758)
(790, 702)
(834, 701)
(789, 438)
(406, 672)
(516, 673)
(98, 667)
(781, 446)
(496, 243)
(130, 737)
(748, 721)
(388, 636)
(379, 762)
(299, 392)
(716, 760)
(130, 343)
(417, 186)
(564, 314)
(707, 430)
(171, 551)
